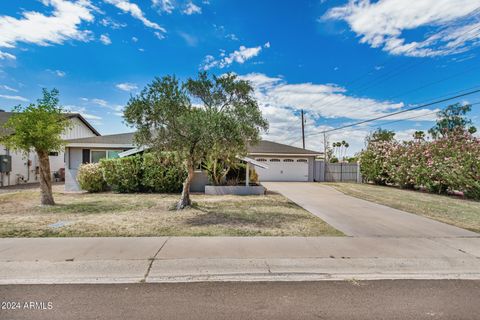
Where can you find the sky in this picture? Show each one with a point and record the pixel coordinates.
(339, 61)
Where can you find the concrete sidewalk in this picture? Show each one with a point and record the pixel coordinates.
(177, 259)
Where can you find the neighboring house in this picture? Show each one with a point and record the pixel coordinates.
(284, 162)
(25, 167)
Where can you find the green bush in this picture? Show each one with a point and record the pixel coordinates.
(90, 177)
(123, 175)
(162, 172)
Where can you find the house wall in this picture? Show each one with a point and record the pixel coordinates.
(20, 167)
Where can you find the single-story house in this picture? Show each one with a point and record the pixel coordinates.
(283, 162)
(24, 168)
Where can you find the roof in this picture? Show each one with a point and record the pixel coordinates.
(265, 147)
(5, 115)
(122, 139)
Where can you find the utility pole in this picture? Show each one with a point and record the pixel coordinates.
(303, 130)
(325, 156)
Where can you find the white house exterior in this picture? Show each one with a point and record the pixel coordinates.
(282, 162)
(25, 167)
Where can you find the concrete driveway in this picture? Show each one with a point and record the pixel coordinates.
(360, 218)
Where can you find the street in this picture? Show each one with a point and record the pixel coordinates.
(381, 299)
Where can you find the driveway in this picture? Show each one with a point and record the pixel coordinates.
(360, 218)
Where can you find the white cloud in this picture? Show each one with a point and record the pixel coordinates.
(100, 102)
(192, 8)
(134, 39)
(232, 36)
(453, 24)
(109, 22)
(9, 97)
(33, 27)
(82, 111)
(135, 11)
(163, 5)
(280, 103)
(5, 87)
(239, 56)
(191, 40)
(105, 39)
(6, 55)
(159, 35)
(127, 86)
(103, 103)
(58, 73)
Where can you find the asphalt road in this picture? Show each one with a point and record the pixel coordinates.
(383, 299)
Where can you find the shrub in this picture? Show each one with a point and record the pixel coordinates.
(90, 177)
(123, 175)
(162, 172)
(450, 163)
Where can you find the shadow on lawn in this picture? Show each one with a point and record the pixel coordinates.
(96, 206)
(250, 217)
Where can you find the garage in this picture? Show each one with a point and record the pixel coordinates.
(283, 169)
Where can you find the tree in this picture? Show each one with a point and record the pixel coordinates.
(39, 127)
(381, 135)
(234, 120)
(452, 119)
(419, 135)
(220, 125)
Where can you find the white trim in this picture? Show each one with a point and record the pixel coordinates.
(286, 154)
(131, 151)
(253, 162)
(99, 145)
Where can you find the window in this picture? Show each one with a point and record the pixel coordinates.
(302, 160)
(113, 154)
(274, 160)
(261, 160)
(97, 155)
(288, 160)
(53, 154)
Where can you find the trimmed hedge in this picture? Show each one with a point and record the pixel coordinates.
(162, 173)
(152, 172)
(90, 177)
(123, 175)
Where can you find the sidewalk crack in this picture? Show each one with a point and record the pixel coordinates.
(152, 259)
(268, 267)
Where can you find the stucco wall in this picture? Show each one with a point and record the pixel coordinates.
(20, 161)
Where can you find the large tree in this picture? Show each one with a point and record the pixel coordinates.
(39, 127)
(452, 119)
(221, 122)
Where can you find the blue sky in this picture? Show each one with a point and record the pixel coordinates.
(340, 61)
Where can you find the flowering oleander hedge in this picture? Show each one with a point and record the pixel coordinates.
(90, 177)
(448, 164)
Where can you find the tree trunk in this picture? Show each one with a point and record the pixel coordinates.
(45, 179)
(185, 199)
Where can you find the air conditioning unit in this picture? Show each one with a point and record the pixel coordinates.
(5, 163)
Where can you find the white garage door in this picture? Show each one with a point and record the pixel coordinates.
(283, 169)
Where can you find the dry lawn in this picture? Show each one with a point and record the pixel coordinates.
(109, 215)
(448, 209)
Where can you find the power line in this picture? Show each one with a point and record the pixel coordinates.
(399, 112)
(392, 76)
